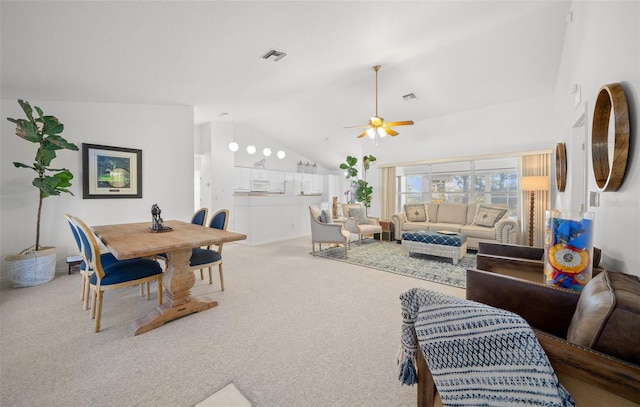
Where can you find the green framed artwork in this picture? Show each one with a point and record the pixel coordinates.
(111, 172)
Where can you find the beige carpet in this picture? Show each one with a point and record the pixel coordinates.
(290, 330)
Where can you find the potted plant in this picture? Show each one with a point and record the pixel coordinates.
(363, 190)
(36, 264)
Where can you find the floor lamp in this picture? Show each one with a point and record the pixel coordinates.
(533, 184)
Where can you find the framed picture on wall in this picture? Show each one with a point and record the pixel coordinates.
(111, 172)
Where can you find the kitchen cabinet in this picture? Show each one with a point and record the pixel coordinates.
(242, 179)
(276, 181)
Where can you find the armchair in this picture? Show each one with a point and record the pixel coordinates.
(326, 232)
(358, 223)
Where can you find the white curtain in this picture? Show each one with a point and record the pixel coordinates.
(387, 192)
(535, 165)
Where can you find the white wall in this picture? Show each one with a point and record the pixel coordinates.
(603, 46)
(163, 133)
(247, 136)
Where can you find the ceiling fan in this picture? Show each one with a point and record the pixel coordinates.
(377, 126)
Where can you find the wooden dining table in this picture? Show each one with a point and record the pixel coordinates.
(133, 240)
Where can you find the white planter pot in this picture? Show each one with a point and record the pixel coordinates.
(31, 267)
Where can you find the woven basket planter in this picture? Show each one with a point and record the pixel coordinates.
(31, 267)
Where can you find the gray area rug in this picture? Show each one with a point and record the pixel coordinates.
(392, 257)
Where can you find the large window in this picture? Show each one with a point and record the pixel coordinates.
(489, 181)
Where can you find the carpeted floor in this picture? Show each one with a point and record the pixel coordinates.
(392, 257)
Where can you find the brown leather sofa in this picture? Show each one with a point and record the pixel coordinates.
(600, 364)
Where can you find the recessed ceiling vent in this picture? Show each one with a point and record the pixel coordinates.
(274, 55)
(409, 96)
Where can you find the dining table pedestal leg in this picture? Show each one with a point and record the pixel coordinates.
(177, 281)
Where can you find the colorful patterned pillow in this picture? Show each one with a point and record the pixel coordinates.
(488, 216)
(359, 214)
(416, 213)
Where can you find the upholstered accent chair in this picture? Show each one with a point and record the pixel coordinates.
(121, 273)
(326, 232)
(359, 223)
(209, 257)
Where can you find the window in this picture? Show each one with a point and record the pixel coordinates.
(489, 181)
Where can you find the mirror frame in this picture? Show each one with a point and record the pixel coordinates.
(609, 177)
(561, 167)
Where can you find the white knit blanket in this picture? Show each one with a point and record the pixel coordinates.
(477, 354)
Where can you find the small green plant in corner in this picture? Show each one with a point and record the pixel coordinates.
(363, 189)
(44, 131)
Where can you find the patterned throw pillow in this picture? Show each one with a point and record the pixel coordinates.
(416, 213)
(325, 216)
(488, 216)
(359, 214)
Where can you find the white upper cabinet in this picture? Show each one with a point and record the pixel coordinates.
(276, 181)
(242, 179)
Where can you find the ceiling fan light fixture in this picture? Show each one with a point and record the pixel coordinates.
(371, 133)
(377, 127)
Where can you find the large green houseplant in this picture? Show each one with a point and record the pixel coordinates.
(364, 191)
(36, 264)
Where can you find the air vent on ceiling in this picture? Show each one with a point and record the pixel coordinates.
(409, 96)
(274, 55)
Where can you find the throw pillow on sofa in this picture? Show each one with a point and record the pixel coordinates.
(359, 214)
(416, 213)
(488, 216)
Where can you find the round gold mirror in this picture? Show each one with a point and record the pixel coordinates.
(610, 137)
(561, 167)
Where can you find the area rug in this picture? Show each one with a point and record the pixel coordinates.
(392, 257)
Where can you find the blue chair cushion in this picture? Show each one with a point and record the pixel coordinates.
(203, 256)
(127, 270)
(105, 258)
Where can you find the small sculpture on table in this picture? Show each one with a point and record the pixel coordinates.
(157, 224)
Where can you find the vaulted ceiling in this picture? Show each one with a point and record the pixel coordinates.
(453, 55)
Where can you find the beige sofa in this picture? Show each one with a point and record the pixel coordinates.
(479, 223)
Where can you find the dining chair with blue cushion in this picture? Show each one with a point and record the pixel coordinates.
(85, 270)
(200, 216)
(202, 258)
(121, 273)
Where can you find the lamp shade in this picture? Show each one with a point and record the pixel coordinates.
(535, 183)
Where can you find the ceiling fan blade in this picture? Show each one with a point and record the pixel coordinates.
(391, 132)
(403, 123)
(361, 135)
(356, 127)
